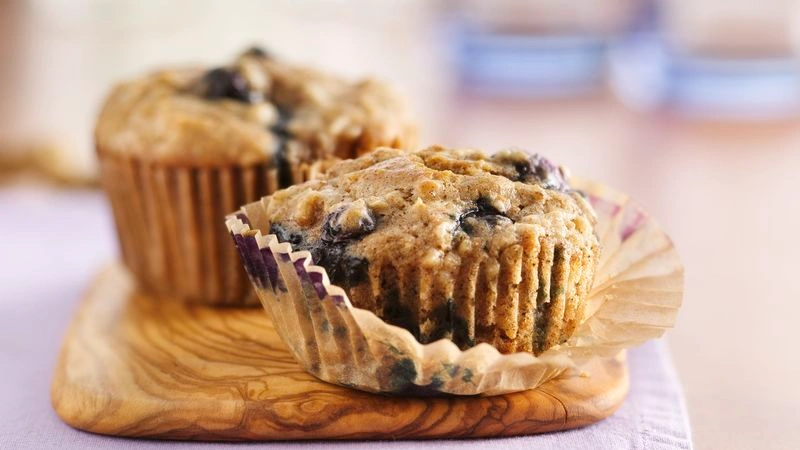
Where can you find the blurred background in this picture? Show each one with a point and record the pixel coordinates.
(691, 107)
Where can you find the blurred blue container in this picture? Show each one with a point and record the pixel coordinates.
(511, 64)
(759, 89)
(533, 48)
(648, 70)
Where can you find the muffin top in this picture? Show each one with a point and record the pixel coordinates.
(425, 208)
(257, 109)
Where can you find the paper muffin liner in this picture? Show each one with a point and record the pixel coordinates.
(635, 296)
(167, 220)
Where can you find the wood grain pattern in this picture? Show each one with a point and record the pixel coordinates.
(134, 366)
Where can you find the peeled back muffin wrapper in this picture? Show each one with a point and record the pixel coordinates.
(637, 290)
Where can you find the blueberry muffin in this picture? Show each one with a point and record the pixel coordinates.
(448, 243)
(180, 148)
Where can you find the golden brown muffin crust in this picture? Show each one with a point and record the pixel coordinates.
(190, 116)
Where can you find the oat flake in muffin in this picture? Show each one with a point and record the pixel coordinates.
(181, 148)
(449, 243)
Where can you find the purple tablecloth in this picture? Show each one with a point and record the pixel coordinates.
(52, 242)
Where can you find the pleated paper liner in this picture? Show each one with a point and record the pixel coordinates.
(637, 290)
(167, 220)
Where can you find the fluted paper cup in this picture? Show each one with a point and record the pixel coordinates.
(637, 290)
(167, 220)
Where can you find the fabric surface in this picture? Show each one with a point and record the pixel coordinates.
(52, 242)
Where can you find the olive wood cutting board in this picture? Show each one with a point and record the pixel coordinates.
(136, 366)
